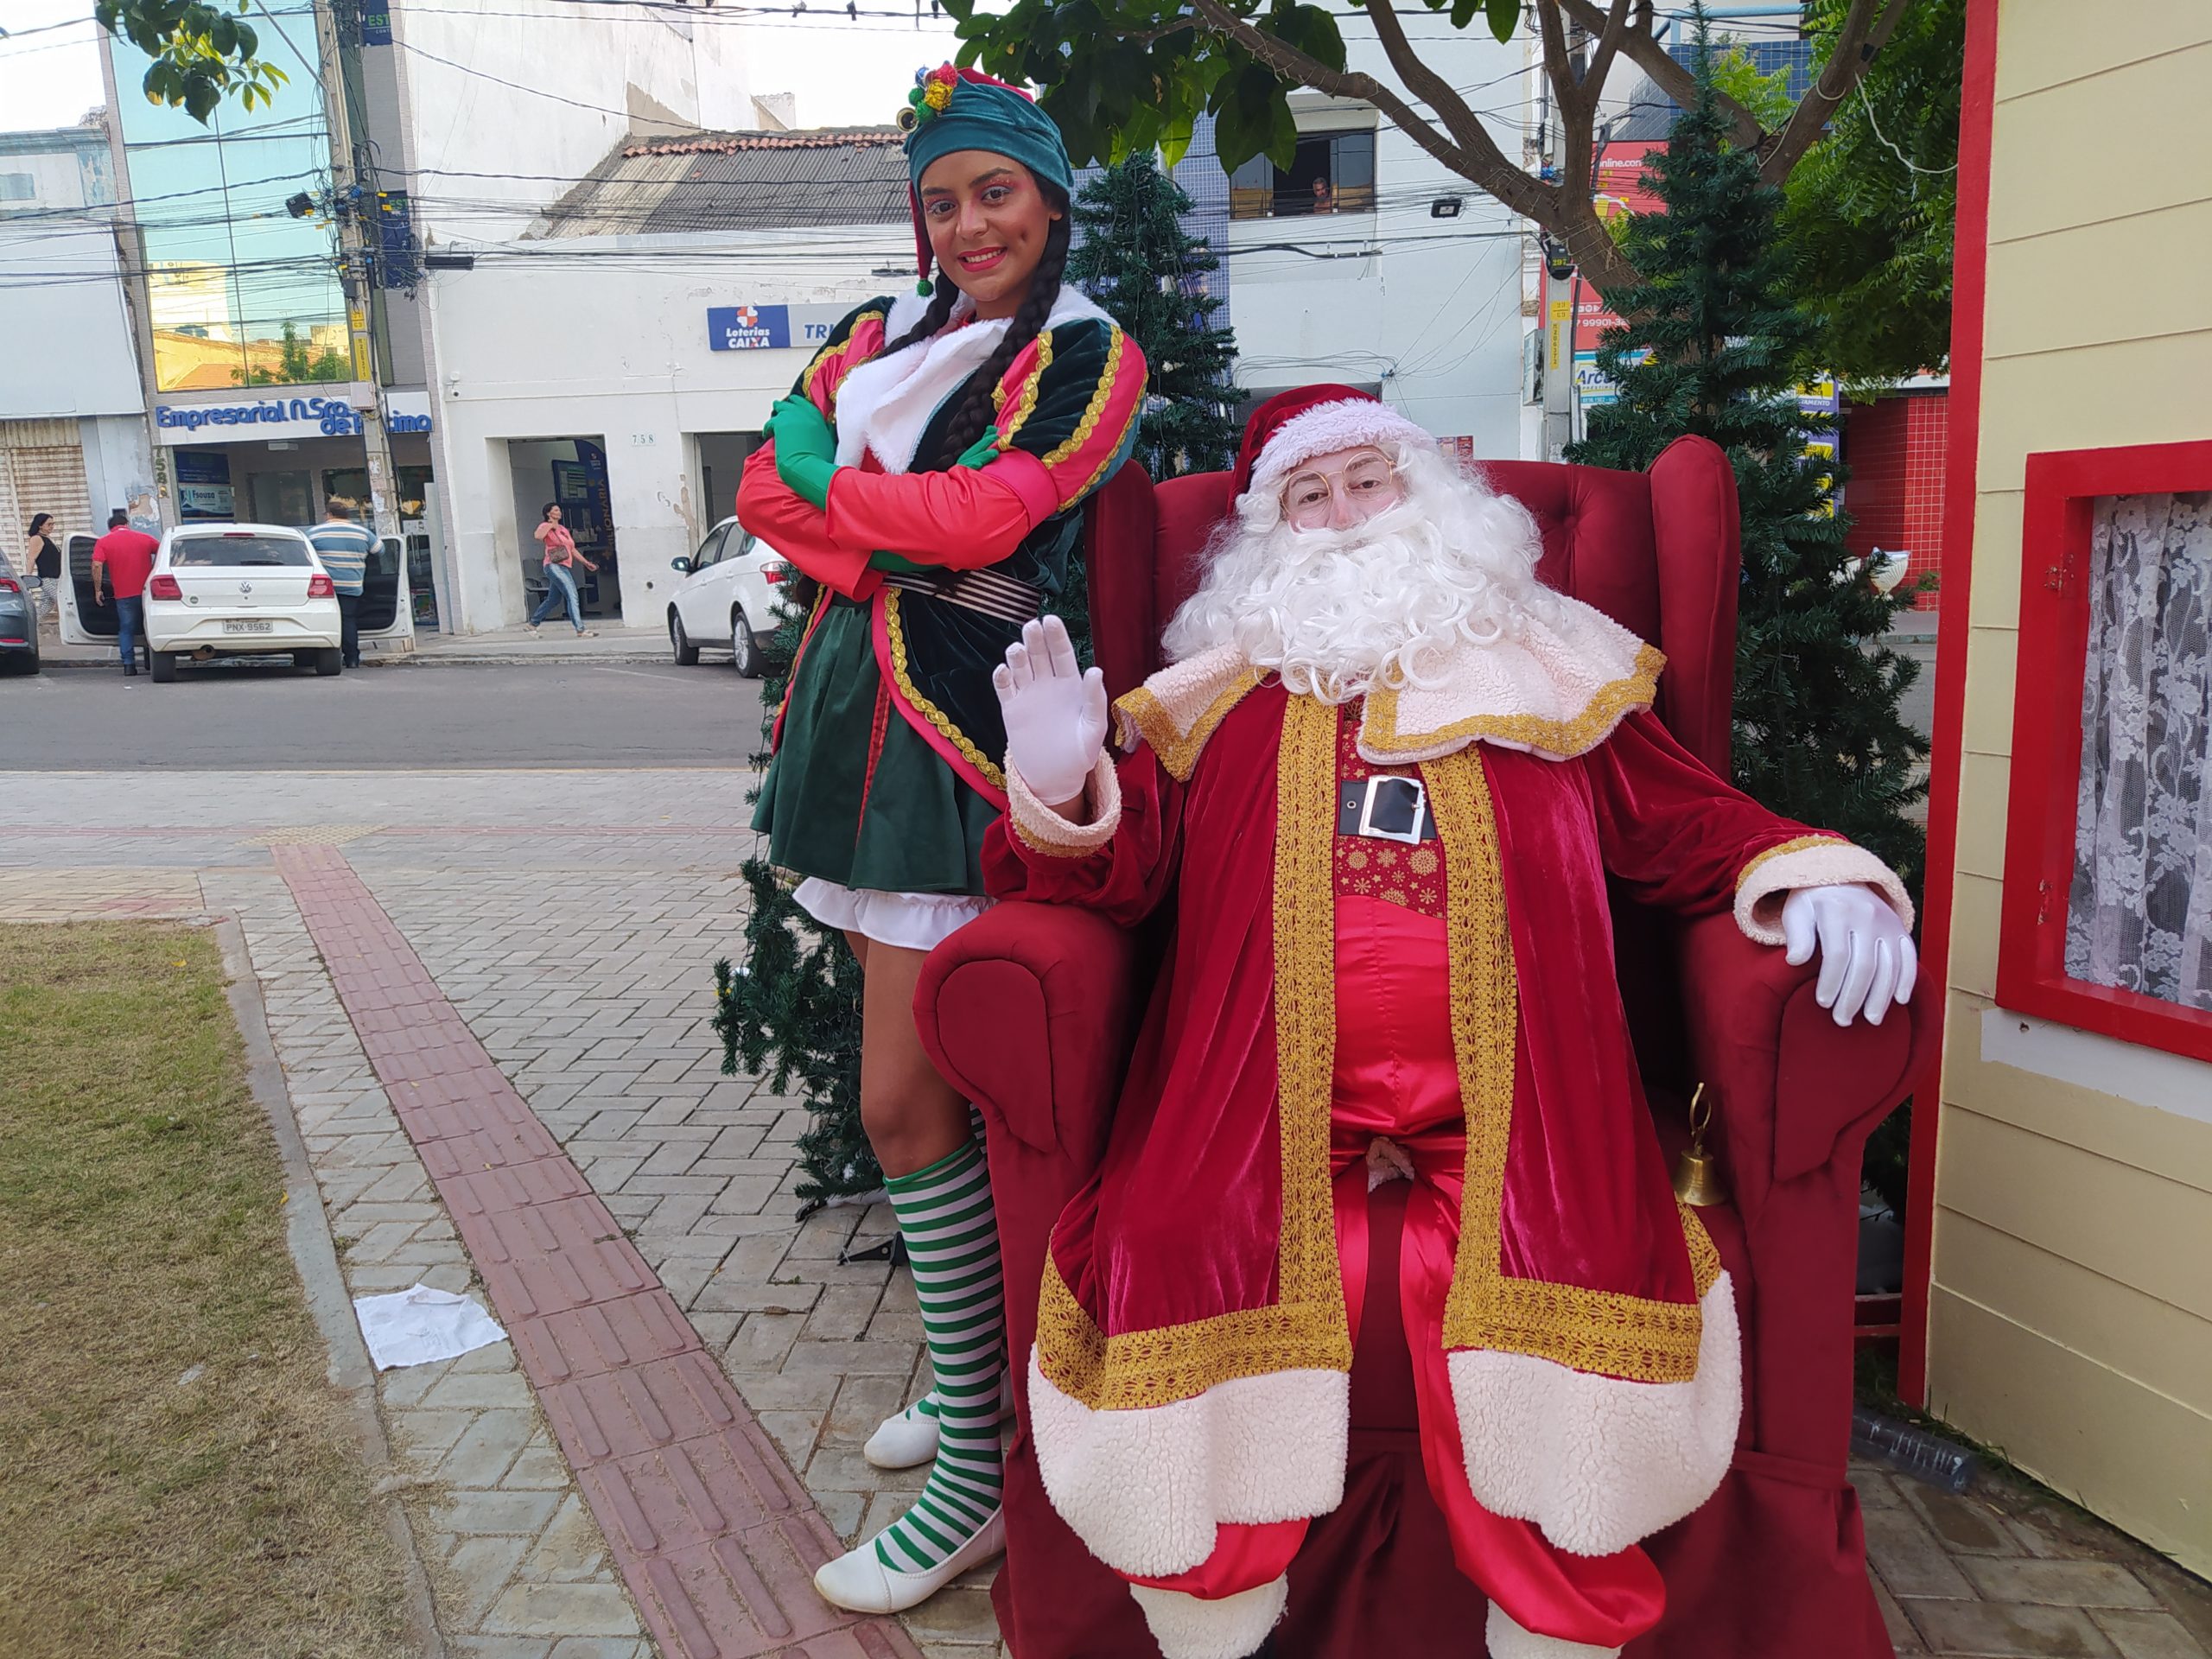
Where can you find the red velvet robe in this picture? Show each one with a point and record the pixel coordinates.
(1193, 1330)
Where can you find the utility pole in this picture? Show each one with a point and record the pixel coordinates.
(1560, 291)
(359, 264)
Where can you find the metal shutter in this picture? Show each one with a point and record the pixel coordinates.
(44, 471)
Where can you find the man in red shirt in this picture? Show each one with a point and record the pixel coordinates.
(122, 559)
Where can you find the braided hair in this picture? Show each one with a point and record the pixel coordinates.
(973, 410)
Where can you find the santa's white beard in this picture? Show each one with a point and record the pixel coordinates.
(1381, 605)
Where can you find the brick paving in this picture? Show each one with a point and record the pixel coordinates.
(570, 921)
(715, 1538)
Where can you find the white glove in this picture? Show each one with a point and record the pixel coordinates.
(1866, 956)
(1055, 712)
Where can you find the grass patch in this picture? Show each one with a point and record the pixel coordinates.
(141, 1241)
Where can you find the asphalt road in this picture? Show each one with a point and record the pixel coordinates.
(250, 717)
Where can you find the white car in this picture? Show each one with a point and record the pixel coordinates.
(730, 599)
(239, 590)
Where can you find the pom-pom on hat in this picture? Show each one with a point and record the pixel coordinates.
(954, 109)
(1293, 426)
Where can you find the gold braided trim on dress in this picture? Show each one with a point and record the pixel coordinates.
(837, 354)
(1306, 1330)
(1612, 1333)
(896, 631)
(1178, 750)
(1092, 414)
(1800, 844)
(1025, 405)
(1379, 736)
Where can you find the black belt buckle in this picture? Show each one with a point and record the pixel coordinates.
(1385, 807)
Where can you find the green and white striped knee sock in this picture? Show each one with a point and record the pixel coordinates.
(952, 1243)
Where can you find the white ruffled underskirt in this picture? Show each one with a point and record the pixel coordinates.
(907, 921)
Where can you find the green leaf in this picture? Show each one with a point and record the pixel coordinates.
(1504, 16)
(200, 97)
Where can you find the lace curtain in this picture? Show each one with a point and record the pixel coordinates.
(2140, 915)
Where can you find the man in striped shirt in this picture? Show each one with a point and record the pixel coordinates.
(344, 547)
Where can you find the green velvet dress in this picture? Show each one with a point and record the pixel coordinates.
(917, 827)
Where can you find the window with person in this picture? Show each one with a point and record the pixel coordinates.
(1331, 173)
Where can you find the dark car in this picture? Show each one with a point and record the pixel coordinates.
(18, 629)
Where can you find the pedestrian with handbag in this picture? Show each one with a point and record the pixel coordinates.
(561, 559)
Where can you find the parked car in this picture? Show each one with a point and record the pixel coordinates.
(728, 599)
(240, 590)
(18, 628)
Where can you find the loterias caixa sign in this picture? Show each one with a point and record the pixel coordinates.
(282, 417)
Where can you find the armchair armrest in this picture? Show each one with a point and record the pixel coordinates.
(1794, 1089)
(1028, 1010)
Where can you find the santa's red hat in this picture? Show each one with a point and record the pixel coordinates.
(1293, 426)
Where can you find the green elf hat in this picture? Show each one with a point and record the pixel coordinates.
(954, 109)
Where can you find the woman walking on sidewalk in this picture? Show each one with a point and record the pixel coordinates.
(961, 430)
(561, 559)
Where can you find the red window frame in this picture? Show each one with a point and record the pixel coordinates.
(2063, 487)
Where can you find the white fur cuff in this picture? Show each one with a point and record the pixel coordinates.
(1509, 1641)
(1809, 861)
(1043, 830)
(1598, 1462)
(1188, 1628)
(1147, 1489)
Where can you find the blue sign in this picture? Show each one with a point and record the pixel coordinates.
(748, 327)
(375, 23)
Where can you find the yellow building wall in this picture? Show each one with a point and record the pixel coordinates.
(2071, 1312)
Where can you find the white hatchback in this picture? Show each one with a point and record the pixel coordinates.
(240, 590)
(730, 599)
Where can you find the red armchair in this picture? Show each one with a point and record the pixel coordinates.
(1030, 1011)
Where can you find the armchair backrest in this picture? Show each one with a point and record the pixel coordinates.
(1656, 551)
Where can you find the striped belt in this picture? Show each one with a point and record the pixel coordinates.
(988, 591)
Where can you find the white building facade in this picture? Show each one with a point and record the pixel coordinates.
(72, 431)
(1407, 281)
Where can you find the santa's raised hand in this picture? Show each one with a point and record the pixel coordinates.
(1867, 960)
(1055, 713)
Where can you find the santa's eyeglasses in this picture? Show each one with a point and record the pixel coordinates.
(1346, 489)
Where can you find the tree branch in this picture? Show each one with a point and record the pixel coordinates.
(1644, 51)
(1863, 34)
(1426, 84)
(1608, 46)
(1485, 166)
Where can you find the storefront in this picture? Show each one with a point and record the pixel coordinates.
(281, 455)
(643, 464)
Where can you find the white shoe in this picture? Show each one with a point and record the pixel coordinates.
(908, 1438)
(860, 1582)
(904, 1439)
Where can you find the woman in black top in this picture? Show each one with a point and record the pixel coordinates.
(43, 562)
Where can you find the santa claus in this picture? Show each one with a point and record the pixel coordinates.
(1380, 791)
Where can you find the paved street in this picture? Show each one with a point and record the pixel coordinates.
(536, 946)
(401, 716)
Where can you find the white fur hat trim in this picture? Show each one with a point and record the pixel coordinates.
(1327, 427)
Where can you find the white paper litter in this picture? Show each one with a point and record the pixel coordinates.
(416, 1326)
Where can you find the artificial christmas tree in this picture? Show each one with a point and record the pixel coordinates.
(1707, 348)
(1137, 257)
(792, 1014)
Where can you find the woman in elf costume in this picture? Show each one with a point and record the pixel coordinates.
(925, 471)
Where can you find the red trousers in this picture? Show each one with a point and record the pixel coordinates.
(1397, 1113)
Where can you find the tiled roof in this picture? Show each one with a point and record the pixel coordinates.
(740, 181)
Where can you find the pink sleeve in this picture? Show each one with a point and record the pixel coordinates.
(791, 525)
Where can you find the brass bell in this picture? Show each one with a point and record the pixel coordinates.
(1697, 1171)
